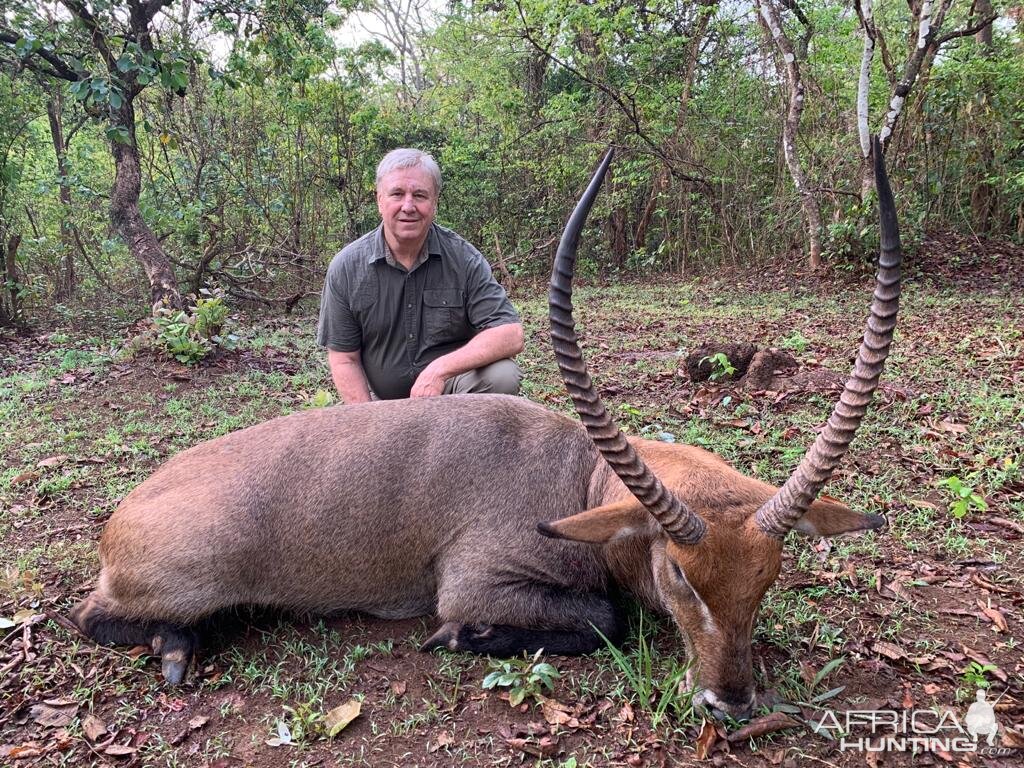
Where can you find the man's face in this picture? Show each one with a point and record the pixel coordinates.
(407, 202)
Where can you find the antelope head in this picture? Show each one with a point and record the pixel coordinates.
(714, 536)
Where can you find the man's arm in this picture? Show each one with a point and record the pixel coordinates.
(486, 347)
(348, 376)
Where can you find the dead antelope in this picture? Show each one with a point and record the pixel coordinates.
(413, 507)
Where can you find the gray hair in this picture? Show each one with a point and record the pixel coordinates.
(409, 158)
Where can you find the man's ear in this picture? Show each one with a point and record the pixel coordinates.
(601, 524)
(830, 517)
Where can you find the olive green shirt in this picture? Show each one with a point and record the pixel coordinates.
(401, 321)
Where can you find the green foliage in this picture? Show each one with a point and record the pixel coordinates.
(796, 342)
(721, 368)
(975, 675)
(525, 677)
(638, 668)
(962, 497)
(189, 336)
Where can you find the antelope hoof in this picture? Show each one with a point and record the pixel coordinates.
(176, 649)
(174, 665)
(455, 636)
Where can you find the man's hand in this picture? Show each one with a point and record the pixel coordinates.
(429, 383)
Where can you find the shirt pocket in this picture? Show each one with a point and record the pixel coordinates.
(443, 317)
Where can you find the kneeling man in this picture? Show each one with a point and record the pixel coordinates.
(411, 309)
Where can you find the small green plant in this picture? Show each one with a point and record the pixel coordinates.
(973, 677)
(523, 677)
(189, 336)
(721, 368)
(964, 498)
(796, 341)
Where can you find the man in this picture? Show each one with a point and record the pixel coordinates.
(411, 309)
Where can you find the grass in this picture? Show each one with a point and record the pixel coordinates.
(949, 368)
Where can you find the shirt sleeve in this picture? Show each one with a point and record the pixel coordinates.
(487, 304)
(337, 329)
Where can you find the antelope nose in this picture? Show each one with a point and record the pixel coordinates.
(738, 708)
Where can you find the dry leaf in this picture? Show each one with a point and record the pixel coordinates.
(994, 615)
(888, 650)
(53, 716)
(119, 750)
(776, 721)
(338, 718)
(95, 729)
(555, 712)
(705, 740)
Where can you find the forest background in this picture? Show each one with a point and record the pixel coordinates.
(150, 150)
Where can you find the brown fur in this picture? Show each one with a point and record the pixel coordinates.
(411, 507)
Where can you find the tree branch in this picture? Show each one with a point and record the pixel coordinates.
(627, 109)
(966, 31)
(60, 70)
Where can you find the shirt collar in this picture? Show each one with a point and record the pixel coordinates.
(380, 249)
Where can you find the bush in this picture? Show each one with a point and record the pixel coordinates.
(189, 336)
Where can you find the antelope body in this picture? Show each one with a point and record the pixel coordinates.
(412, 507)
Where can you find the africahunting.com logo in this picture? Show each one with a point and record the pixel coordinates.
(915, 730)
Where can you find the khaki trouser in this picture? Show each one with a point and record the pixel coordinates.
(500, 377)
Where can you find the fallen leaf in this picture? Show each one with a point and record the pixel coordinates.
(705, 740)
(50, 716)
(338, 718)
(284, 735)
(95, 729)
(24, 477)
(994, 615)
(119, 750)
(25, 751)
(1013, 739)
(444, 739)
(888, 650)
(776, 721)
(555, 712)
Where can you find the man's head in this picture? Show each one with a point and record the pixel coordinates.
(408, 184)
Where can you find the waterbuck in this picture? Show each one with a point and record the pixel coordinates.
(412, 507)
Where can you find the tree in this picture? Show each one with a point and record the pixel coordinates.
(106, 52)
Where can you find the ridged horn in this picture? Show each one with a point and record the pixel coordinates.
(781, 512)
(681, 524)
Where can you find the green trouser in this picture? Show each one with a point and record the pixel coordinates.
(500, 377)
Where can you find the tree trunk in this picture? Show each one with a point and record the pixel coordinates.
(66, 281)
(791, 126)
(984, 194)
(10, 305)
(127, 218)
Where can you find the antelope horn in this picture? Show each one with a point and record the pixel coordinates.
(781, 512)
(677, 519)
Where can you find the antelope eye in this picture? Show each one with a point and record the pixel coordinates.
(678, 572)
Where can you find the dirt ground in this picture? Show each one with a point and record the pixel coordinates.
(921, 616)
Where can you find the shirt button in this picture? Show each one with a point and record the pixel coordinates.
(409, 306)
(412, 335)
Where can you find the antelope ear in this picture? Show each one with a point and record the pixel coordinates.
(830, 517)
(601, 524)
